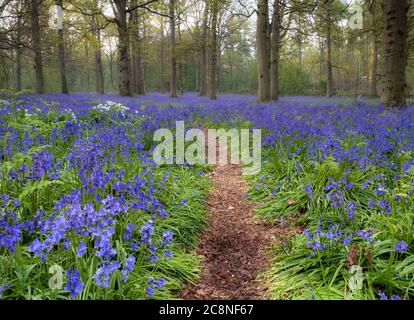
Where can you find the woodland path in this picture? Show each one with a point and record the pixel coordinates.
(234, 246)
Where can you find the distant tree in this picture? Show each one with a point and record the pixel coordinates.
(275, 51)
(62, 58)
(173, 59)
(203, 51)
(263, 52)
(37, 46)
(213, 50)
(137, 75)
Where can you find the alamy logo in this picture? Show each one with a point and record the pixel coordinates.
(56, 280)
(245, 147)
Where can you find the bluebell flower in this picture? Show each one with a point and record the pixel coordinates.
(81, 249)
(3, 288)
(371, 204)
(350, 210)
(380, 191)
(152, 258)
(150, 291)
(146, 232)
(386, 207)
(365, 235)
(167, 253)
(382, 296)
(346, 241)
(167, 237)
(309, 191)
(73, 282)
(128, 231)
(317, 246)
(400, 247)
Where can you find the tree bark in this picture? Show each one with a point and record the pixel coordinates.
(62, 58)
(137, 68)
(36, 44)
(395, 32)
(180, 68)
(123, 44)
(373, 51)
(263, 56)
(275, 49)
(111, 72)
(203, 52)
(19, 54)
(173, 61)
(162, 83)
(213, 48)
(329, 74)
(100, 87)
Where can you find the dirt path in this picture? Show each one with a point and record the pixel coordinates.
(234, 246)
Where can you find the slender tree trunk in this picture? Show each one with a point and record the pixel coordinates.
(99, 76)
(180, 69)
(395, 32)
(263, 56)
(123, 44)
(19, 55)
(36, 44)
(213, 48)
(111, 71)
(173, 62)
(162, 83)
(373, 51)
(329, 74)
(300, 42)
(373, 63)
(218, 63)
(100, 87)
(203, 52)
(197, 73)
(275, 49)
(62, 58)
(86, 68)
(138, 70)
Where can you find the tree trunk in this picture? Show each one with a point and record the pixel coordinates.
(329, 75)
(62, 58)
(111, 72)
(263, 56)
(275, 49)
(300, 42)
(100, 87)
(218, 63)
(373, 52)
(86, 68)
(213, 48)
(37, 49)
(395, 31)
(162, 83)
(123, 44)
(203, 52)
(173, 62)
(180, 68)
(19, 54)
(137, 68)
(373, 63)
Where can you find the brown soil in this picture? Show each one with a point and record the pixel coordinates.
(234, 247)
